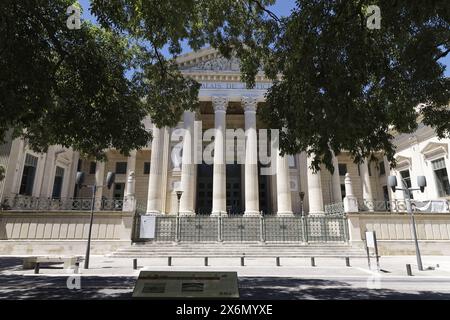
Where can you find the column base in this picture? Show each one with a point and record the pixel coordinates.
(187, 214)
(153, 213)
(252, 214)
(285, 214)
(317, 213)
(219, 214)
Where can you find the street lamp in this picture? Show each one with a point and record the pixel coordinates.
(79, 182)
(302, 197)
(179, 194)
(422, 183)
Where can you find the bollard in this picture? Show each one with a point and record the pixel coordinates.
(169, 261)
(408, 270)
(36, 268)
(313, 262)
(77, 267)
(278, 261)
(347, 261)
(135, 264)
(206, 261)
(242, 261)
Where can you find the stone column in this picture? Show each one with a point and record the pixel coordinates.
(99, 181)
(284, 202)
(219, 202)
(188, 166)
(129, 203)
(73, 174)
(154, 201)
(336, 180)
(366, 186)
(350, 201)
(315, 196)
(251, 158)
(131, 169)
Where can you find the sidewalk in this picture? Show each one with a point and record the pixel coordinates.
(114, 278)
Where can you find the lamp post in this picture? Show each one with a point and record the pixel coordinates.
(179, 194)
(302, 197)
(79, 181)
(422, 183)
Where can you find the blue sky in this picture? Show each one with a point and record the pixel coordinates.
(281, 8)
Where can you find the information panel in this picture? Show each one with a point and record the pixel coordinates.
(148, 226)
(186, 284)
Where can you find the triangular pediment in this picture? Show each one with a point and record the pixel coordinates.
(207, 60)
(402, 162)
(435, 148)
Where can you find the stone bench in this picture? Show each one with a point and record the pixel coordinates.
(69, 262)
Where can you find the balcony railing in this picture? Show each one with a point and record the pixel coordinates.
(62, 204)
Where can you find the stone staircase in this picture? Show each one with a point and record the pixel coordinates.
(159, 250)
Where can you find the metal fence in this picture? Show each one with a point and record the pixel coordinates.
(297, 229)
(61, 204)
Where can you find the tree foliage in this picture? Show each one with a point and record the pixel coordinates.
(347, 87)
(338, 85)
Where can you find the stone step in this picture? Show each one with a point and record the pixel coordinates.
(223, 250)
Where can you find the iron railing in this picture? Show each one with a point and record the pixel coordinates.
(61, 204)
(296, 229)
(334, 208)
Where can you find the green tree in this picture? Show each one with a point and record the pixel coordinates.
(347, 87)
(91, 88)
(337, 84)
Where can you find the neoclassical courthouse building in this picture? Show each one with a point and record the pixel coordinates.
(153, 175)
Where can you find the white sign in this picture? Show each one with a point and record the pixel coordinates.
(186, 284)
(370, 239)
(148, 226)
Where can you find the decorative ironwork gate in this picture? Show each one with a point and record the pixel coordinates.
(297, 229)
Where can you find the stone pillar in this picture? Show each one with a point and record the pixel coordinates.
(73, 174)
(154, 201)
(99, 181)
(131, 168)
(251, 158)
(350, 201)
(219, 202)
(188, 166)
(336, 181)
(315, 196)
(284, 201)
(366, 186)
(129, 203)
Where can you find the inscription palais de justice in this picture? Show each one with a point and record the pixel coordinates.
(233, 85)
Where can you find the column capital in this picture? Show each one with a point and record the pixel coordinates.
(220, 103)
(250, 103)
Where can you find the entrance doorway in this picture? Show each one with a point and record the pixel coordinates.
(205, 189)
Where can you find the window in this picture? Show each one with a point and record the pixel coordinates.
(121, 167)
(343, 191)
(92, 167)
(382, 168)
(29, 172)
(407, 178)
(370, 170)
(79, 164)
(58, 183)
(146, 167)
(291, 161)
(342, 169)
(441, 175)
(359, 171)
